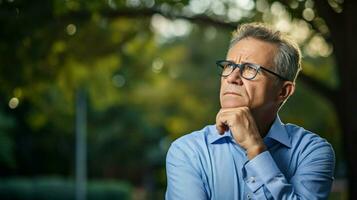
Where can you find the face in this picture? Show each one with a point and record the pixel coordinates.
(259, 94)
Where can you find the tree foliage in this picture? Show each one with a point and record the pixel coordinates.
(148, 69)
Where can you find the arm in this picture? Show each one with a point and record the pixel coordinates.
(183, 180)
(312, 180)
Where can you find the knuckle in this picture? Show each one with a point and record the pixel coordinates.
(236, 116)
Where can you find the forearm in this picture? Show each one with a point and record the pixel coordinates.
(264, 179)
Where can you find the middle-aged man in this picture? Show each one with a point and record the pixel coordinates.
(249, 153)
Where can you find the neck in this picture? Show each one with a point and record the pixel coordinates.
(264, 121)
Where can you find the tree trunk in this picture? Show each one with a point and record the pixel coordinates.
(343, 29)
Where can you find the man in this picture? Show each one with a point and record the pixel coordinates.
(249, 153)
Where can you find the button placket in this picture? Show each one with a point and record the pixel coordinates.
(249, 196)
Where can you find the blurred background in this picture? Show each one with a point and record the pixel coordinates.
(92, 93)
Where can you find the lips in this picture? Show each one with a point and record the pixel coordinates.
(231, 93)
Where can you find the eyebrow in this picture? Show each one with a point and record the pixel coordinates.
(232, 61)
(241, 58)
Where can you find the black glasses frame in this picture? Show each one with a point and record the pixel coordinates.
(242, 65)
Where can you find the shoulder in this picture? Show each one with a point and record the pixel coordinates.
(302, 136)
(190, 145)
(309, 144)
(193, 140)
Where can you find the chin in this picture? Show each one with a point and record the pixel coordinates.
(233, 104)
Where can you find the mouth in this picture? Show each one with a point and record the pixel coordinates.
(231, 93)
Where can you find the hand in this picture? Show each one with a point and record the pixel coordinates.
(243, 127)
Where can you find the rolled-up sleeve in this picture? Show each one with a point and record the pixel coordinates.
(312, 179)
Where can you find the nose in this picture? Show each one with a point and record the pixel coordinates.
(235, 77)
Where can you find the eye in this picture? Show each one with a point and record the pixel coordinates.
(228, 65)
(250, 67)
(249, 70)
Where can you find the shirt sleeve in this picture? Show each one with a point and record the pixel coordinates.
(183, 180)
(312, 179)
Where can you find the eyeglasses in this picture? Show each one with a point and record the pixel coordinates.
(247, 70)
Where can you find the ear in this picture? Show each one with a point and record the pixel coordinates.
(286, 90)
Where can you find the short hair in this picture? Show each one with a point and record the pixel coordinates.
(287, 60)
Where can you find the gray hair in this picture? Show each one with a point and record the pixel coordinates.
(287, 60)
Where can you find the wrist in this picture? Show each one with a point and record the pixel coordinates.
(255, 150)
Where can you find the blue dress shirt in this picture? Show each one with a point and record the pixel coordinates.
(206, 165)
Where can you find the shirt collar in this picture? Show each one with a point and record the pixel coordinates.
(214, 136)
(277, 133)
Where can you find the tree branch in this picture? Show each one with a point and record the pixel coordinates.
(325, 11)
(202, 19)
(148, 12)
(319, 87)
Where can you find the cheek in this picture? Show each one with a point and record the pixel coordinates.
(256, 95)
(221, 88)
(251, 93)
(261, 96)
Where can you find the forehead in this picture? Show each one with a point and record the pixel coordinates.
(252, 50)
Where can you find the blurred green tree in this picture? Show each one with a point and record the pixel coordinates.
(148, 68)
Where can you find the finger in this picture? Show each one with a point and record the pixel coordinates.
(221, 124)
(221, 128)
(228, 110)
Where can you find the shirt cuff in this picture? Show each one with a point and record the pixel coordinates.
(260, 170)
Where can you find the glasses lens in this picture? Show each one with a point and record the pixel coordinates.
(226, 67)
(249, 71)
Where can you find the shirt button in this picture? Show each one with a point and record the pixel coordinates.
(249, 197)
(252, 179)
